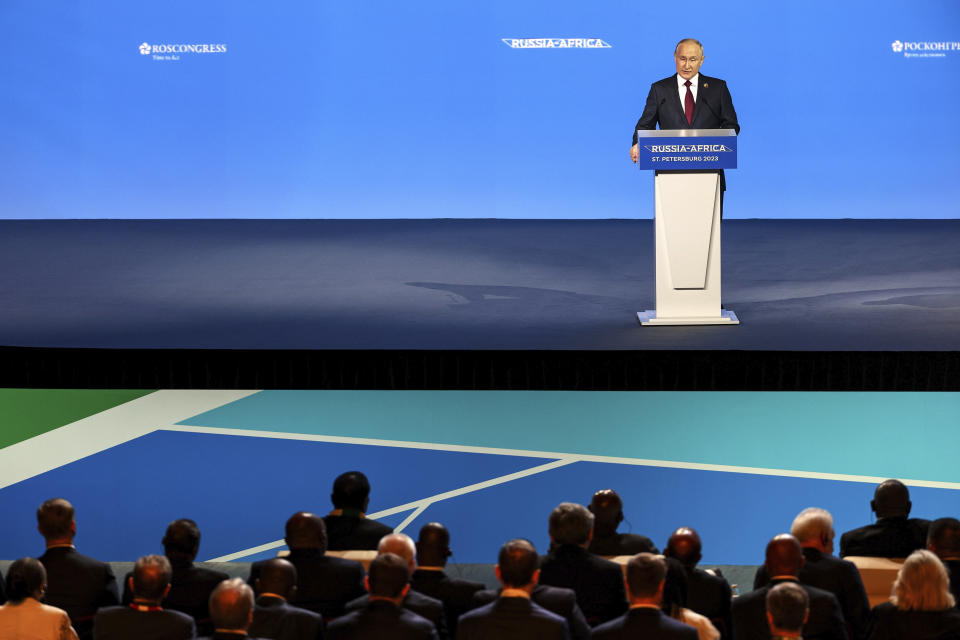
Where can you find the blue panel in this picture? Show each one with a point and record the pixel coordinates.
(240, 490)
(841, 433)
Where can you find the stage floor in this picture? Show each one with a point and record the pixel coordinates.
(820, 285)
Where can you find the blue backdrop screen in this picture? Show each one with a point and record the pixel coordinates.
(386, 109)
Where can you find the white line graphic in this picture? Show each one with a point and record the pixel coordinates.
(106, 429)
(418, 506)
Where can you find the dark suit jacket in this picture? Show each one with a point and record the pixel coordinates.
(79, 585)
(190, 589)
(644, 622)
(424, 606)
(598, 583)
(839, 577)
(562, 602)
(455, 594)
(889, 623)
(713, 108)
(622, 544)
(886, 538)
(381, 619)
(124, 623)
(275, 619)
(325, 584)
(3, 595)
(511, 619)
(345, 533)
(710, 596)
(953, 566)
(825, 622)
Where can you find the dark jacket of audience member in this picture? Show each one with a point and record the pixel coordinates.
(190, 591)
(598, 583)
(324, 583)
(275, 619)
(347, 525)
(511, 619)
(424, 606)
(825, 622)
(125, 623)
(886, 538)
(456, 594)
(79, 585)
(562, 602)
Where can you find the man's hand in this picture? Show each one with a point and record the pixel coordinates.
(634, 153)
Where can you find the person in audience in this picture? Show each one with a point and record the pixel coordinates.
(921, 606)
(401, 545)
(456, 594)
(708, 594)
(788, 608)
(513, 615)
(273, 616)
(607, 509)
(324, 583)
(3, 594)
(75, 583)
(813, 527)
(943, 539)
(231, 610)
(348, 527)
(673, 602)
(646, 581)
(598, 583)
(145, 618)
(24, 617)
(190, 586)
(383, 616)
(894, 534)
(784, 557)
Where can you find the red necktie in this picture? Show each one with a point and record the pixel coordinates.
(688, 103)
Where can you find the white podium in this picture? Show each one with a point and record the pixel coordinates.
(687, 223)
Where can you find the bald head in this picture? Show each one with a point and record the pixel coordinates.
(943, 538)
(433, 545)
(684, 545)
(306, 530)
(607, 509)
(277, 576)
(399, 544)
(784, 556)
(891, 500)
(231, 605)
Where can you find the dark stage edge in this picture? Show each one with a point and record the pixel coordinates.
(471, 304)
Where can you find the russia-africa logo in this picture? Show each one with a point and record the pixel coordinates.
(555, 43)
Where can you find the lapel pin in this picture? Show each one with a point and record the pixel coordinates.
(705, 85)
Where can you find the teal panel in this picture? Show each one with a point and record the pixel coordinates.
(904, 435)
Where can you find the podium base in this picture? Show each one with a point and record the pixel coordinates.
(649, 317)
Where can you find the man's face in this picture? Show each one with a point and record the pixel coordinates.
(689, 59)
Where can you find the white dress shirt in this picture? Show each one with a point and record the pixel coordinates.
(694, 81)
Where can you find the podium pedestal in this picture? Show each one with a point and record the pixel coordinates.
(687, 230)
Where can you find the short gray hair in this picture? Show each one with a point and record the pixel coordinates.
(811, 524)
(570, 523)
(922, 584)
(787, 604)
(689, 41)
(231, 603)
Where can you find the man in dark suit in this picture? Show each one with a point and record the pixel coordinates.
(513, 615)
(784, 558)
(944, 540)
(813, 527)
(190, 586)
(598, 583)
(401, 545)
(144, 618)
(708, 594)
(429, 578)
(646, 576)
(382, 617)
(324, 583)
(273, 616)
(607, 509)
(3, 595)
(347, 525)
(562, 602)
(75, 583)
(788, 608)
(894, 534)
(231, 610)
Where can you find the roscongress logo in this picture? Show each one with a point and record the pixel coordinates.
(174, 51)
(925, 49)
(555, 43)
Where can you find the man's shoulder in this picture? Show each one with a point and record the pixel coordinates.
(557, 596)
(705, 80)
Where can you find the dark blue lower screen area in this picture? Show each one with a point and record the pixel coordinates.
(242, 489)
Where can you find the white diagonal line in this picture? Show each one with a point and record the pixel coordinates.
(669, 464)
(410, 518)
(106, 429)
(419, 505)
